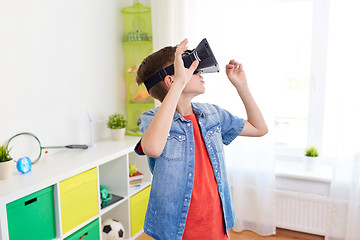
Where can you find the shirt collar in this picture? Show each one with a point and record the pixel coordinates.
(198, 113)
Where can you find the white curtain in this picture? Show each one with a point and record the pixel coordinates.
(168, 24)
(248, 33)
(251, 165)
(232, 35)
(345, 200)
(353, 218)
(168, 17)
(239, 34)
(342, 119)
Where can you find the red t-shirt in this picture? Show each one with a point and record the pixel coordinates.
(205, 217)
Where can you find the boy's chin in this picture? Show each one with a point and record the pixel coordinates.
(196, 92)
(200, 92)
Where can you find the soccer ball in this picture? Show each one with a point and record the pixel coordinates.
(112, 230)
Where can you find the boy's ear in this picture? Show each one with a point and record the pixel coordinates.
(168, 81)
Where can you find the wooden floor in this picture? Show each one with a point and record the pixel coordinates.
(281, 234)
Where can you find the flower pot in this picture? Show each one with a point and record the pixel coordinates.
(117, 134)
(6, 169)
(311, 163)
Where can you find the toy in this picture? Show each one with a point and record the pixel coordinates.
(142, 96)
(105, 195)
(27, 143)
(112, 230)
(132, 69)
(24, 164)
(91, 121)
(132, 169)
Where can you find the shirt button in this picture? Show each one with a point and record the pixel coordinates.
(210, 131)
(208, 145)
(215, 170)
(185, 199)
(180, 226)
(191, 148)
(189, 174)
(179, 136)
(188, 124)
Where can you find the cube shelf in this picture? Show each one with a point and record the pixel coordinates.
(61, 199)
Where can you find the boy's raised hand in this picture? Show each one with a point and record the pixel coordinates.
(182, 75)
(155, 137)
(235, 73)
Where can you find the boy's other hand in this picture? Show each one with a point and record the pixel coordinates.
(183, 75)
(235, 73)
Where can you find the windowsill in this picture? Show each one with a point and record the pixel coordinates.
(294, 168)
(291, 175)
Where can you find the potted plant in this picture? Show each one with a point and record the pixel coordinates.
(117, 123)
(5, 162)
(311, 158)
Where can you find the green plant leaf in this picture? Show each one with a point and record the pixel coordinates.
(4, 153)
(311, 152)
(116, 121)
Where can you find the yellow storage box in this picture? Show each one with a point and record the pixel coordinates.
(138, 206)
(79, 199)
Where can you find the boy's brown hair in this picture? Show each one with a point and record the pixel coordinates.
(152, 64)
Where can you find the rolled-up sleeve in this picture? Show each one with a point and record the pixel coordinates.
(231, 126)
(145, 120)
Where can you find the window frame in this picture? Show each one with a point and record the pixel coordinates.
(317, 83)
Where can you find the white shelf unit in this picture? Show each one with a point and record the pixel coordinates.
(111, 160)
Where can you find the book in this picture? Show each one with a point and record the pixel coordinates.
(137, 176)
(135, 182)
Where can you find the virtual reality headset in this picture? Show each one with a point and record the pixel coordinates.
(202, 53)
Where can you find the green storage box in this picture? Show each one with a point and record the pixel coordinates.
(89, 232)
(33, 216)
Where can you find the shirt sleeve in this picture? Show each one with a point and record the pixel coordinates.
(138, 149)
(145, 120)
(231, 126)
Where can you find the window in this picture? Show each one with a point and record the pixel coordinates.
(294, 31)
(282, 45)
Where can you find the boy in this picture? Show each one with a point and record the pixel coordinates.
(190, 195)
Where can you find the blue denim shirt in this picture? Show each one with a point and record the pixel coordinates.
(173, 171)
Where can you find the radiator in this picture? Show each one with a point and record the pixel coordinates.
(302, 212)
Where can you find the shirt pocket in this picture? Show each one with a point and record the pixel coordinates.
(215, 137)
(175, 147)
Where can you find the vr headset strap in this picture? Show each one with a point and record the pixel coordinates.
(158, 77)
(162, 73)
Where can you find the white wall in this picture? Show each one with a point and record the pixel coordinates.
(58, 60)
